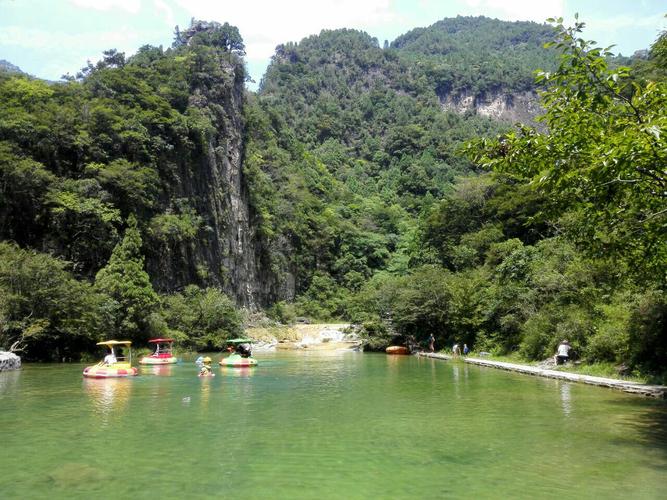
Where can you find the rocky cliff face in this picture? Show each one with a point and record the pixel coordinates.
(223, 254)
(521, 107)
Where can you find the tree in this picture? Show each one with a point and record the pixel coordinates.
(129, 295)
(44, 311)
(211, 33)
(202, 319)
(602, 159)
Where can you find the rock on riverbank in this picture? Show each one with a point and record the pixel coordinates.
(9, 361)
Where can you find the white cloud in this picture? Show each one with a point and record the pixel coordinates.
(168, 12)
(623, 22)
(518, 10)
(122, 39)
(132, 6)
(264, 25)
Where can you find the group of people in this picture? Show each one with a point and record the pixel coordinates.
(562, 355)
(456, 349)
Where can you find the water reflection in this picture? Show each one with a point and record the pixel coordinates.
(109, 397)
(237, 372)
(158, 370)
(566, 399)
(8, 380)
(205, 390)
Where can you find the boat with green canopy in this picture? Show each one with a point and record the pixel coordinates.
(240, 356)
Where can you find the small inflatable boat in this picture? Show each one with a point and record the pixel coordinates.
(397, 349)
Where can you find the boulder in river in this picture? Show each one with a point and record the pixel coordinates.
(9, 361)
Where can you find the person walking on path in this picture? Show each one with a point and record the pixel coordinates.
(466, 349)
(563, 354)
(431, 343)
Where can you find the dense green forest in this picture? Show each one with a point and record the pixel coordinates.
(367, 199)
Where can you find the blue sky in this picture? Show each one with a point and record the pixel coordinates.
(49, 38)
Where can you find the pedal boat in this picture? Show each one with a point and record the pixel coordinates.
(163, 354)
(240, 356)
(121, 367)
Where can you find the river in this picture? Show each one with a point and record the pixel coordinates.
(325, 425)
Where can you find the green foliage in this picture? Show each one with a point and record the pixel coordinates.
(201, 319)
(43, 309)
(362, 203)
(84, 224)
(323, 300)
(282, 312)
(211, 34)
(601, 161)
(24, 184)
(129, 297)
(176, 227)
(476, 55)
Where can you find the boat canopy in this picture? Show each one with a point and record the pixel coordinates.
(240, 341)
(115, 342)
(159, 341)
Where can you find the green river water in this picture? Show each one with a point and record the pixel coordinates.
(325, 425)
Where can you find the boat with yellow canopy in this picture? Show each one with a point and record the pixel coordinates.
(115, 364)
(163, 354)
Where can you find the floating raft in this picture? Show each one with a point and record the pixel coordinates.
(654, 391)
(397, 349)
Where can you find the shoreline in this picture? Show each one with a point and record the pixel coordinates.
(653, 391)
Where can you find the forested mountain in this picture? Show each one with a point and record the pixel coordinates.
(343, 188)
(477, 55)
(8, 67)
(158, 136)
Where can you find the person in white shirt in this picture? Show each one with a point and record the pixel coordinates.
(563, 353)
(110, 358)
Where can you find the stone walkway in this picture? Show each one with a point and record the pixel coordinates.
(654, 391)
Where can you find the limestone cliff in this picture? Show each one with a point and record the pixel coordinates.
(516, 107)
(211, 181)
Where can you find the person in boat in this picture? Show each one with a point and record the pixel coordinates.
(243, 350)
(110, 358)
(199, 361)
(205, 367)
(563, 353)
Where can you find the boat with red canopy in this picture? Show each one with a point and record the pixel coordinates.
(162, 355)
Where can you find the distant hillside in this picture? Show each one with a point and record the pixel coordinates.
(476, 55)
(8, 67)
